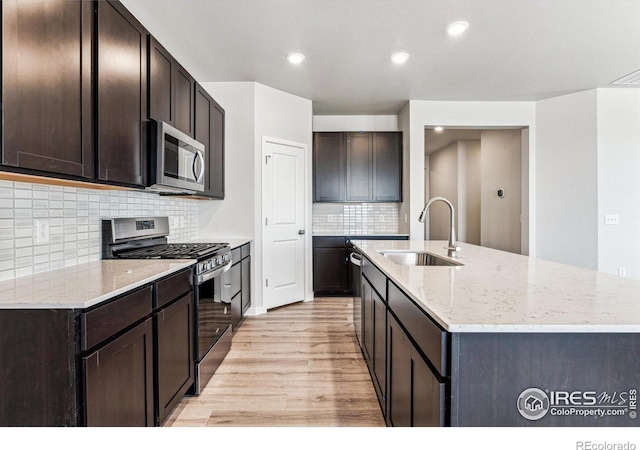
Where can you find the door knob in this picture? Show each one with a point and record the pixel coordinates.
(300, 231)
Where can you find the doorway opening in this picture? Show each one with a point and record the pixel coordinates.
(484, 172)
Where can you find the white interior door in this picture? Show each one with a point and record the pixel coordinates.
(283, 187)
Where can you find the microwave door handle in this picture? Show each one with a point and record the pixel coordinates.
(198, 176)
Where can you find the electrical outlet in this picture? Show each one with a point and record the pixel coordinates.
(405, 218)
(381, 218)
(331, 218)
(622, 271)
(611, 219)
(182, 221)
(42, 231)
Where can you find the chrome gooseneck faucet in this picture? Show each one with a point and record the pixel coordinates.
(452, 248)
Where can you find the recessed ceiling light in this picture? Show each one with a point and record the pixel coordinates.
(457, 28)
(399, 57)
(295, 58)
(438, 129)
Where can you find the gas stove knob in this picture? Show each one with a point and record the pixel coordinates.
(209, 264)
(201, 267)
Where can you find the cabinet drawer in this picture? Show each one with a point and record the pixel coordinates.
(324, 242)
(173, 287)
(428, 336)
(231, 283)
(245, 251)
(377, 279)
(105, 321)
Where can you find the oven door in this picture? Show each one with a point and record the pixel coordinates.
(213, 330)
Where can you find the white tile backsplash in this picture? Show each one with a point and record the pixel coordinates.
(355, 218)
(74, 216)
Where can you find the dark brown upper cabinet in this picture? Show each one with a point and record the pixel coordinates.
(329, 159)
(209, 130)
(46, 86)
(387, 167)
(121, 95)
(171, 90)
(357, 167)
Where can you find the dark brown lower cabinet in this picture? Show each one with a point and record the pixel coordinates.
(246, 284)
(330, 274)
(374, 319)
(416, 398)
(124, 362)
(174, 354)
(119, 380)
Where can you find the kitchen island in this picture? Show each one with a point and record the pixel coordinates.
(498, 340)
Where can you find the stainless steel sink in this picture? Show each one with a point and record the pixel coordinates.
(417, 259)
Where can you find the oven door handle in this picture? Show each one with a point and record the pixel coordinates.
(214, 273)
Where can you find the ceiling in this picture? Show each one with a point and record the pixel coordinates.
(513, 50)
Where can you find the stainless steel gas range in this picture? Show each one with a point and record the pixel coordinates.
(146, 238)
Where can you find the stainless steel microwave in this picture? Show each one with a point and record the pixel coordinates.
(177, 160)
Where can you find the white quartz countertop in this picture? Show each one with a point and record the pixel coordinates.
(496, 291)
(85, 285)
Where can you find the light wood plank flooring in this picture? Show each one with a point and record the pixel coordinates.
(298, 365)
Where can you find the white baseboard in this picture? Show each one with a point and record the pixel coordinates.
(256, 311)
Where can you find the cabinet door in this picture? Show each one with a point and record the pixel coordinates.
(46, 86)
(379, 359)
(236, 311)
(246, 284)
(175, 364)
(183, 99)
(161, 81)
(359, 163)
(367, 321)
(399, 394)
(387, 167)
(119, 380)
(330, 269)
(427, 394)
(329, 160)
(122, 95)
(415, 397)
(209, 130)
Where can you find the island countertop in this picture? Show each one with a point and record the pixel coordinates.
(496, 291)
(85, 285)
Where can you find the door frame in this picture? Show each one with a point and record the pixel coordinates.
(304, 148)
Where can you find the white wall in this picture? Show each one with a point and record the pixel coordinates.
(355, 123)
(566, 180)
(404, 125)
(469, 189)
(283, 116)
(443, 182)
(253, 110)
(501, 169)
(454, 173)
(234, 216)
(618, 180)
(463, 115)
